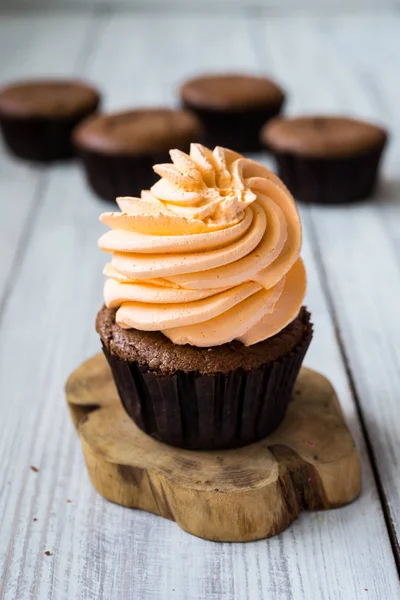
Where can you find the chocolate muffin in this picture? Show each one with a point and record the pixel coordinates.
(118, 150)
(233, 108)
(326, 159)
(37, 117)
(203, 326)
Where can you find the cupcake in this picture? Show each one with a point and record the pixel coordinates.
(118, 150)
(203, 324)
(233, 108)
(37, 117)
(326, 159)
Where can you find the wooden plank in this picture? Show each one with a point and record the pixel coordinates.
(376, 372)
(99, 550)
(357, 247)
(285, 6)
(34, 46)
(51, 47)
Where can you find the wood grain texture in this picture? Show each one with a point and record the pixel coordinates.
(242, 495)
(377, 379)
(357, 249)
(99, 550)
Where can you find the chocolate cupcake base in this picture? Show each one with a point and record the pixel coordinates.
(238, 130)
(111, 176)
(211, 406)
(118, 150)
(41, 139)
(330, 180)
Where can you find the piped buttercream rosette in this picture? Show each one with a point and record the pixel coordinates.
(209, 255)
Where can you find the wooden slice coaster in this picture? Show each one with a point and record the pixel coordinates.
(309, 463)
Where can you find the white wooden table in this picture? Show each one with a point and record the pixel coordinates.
(51, 288)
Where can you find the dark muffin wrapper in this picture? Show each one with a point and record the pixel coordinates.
(330, 180)
(237, 130)
(42, 139)
(212, 411)
(114, 175)
(111, 176)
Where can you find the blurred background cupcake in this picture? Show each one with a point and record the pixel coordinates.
(326, 159)
(118, 150)
(232, 108)
(38, 116)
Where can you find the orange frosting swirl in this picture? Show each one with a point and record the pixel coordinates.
(209, 255)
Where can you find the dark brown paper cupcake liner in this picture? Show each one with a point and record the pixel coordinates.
(212, 411)
(41, 139)
(330, 180)
(111, 176)
(238, 130)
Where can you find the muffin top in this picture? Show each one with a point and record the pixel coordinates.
(322, 136)
(231, 92)
(153, 350)
(47, 98)
(141, 131)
